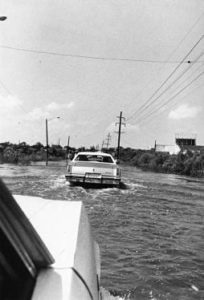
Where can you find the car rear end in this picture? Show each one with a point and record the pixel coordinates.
(93, 172)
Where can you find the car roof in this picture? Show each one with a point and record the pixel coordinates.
(94, 153)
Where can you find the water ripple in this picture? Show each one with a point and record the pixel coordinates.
(150, 231)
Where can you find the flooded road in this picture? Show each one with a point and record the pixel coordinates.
(151, 233)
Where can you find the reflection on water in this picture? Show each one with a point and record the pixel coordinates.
(150, 232)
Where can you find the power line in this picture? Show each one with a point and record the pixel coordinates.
(168, 87)
(187, 33)
(172, 98)
(177, 87)
(171, 106)
(157, 107)
(179, 44)
(143, 106)
(92, 57)
(107, 58)
(186, 79)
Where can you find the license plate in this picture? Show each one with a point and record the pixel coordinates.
(93, 175)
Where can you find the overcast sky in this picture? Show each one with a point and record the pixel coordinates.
(87, 60)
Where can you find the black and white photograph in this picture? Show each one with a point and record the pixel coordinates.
(102, 150)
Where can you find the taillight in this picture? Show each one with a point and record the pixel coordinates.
(69, 169)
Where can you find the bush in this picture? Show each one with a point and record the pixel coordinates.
(190, 164)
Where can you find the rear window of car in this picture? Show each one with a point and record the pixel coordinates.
(95, 158)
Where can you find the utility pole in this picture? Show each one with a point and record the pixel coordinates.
(108, 140)
(102, 145)
(46, 129)
(68, 141)
(46, 132)
(120, 123)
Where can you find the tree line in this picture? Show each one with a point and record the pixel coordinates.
(188, 163)
(24, 153)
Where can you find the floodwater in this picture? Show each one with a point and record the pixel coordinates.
(151, 233)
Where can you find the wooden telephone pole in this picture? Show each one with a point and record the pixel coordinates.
(120, 123)
(68, 141)
(68, 150)
(46, 132)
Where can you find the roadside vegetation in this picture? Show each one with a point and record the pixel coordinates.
(23, 153)
(190, 164)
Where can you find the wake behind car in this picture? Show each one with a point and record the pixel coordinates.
(93, 168)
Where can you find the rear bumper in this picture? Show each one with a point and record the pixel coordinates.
(99, 180)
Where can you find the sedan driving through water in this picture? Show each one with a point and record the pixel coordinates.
(93, 169)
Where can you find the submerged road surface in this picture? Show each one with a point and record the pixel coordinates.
(151, 233)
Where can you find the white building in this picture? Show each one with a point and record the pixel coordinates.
(171, 149)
